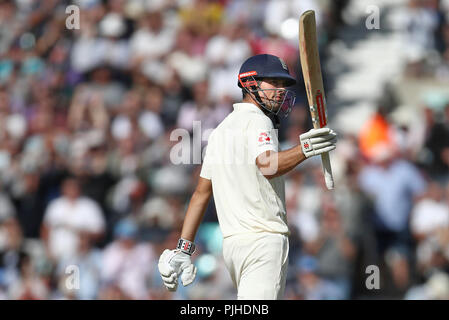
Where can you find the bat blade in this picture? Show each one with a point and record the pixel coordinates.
(311, 69)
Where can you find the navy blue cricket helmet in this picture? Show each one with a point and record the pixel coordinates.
(265, 66)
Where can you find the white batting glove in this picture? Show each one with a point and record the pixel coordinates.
(173, 263)
(318, 141)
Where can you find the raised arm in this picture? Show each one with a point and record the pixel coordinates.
(273, 164)
(314, 142)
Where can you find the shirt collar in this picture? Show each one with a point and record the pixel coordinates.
(250, 107)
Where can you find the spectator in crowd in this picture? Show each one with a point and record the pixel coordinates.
(30, 204)
(80, 273)
(436, 141)
(309, 285)
(29, 285)
(335, 251)
(7, 209)
(150, 120)
(126, 263)
(436, 288)
(201, 110)
(394, 184)
(11, 242)
(429, 225)
(68, 216)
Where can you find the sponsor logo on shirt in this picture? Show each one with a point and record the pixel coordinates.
(264, 138)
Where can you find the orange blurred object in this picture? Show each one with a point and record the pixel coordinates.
(376, 132)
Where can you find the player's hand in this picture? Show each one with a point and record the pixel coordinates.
(173, 263)
(318, 141)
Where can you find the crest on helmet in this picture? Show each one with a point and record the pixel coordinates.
(284, 65)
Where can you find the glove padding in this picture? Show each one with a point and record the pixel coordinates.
(318, 141)
(171, 264)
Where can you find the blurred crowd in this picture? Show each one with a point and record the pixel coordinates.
(89, 196)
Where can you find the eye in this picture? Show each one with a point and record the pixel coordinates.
(279, 83)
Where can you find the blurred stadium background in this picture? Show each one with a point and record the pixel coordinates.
(85, 122)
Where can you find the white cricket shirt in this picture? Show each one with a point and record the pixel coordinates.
(245, 200)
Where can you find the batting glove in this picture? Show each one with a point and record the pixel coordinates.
(318, 141)
(173, 263)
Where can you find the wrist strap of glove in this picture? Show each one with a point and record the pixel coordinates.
(186, 246)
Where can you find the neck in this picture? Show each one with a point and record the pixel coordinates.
(249, 99)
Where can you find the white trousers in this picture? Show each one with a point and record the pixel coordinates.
(257, 263)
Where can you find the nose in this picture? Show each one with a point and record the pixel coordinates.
(280, 93)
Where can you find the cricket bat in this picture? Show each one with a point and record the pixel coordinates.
(311, 70)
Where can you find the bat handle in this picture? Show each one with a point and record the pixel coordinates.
(327, 171)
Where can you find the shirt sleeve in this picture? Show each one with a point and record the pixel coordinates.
(261, 137)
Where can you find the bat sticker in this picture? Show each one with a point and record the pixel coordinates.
(320, 107)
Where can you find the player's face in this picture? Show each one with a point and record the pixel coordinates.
(274, 92)
(273, 84)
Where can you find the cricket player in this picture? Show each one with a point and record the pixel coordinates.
(243, 169)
